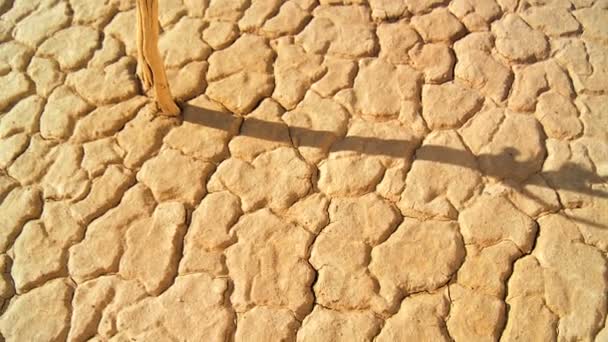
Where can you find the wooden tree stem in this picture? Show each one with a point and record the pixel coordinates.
(151, 68)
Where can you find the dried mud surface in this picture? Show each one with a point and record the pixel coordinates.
(344, 170)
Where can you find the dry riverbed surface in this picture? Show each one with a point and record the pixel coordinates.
(343, 170)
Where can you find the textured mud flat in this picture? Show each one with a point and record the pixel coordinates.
(384, 170)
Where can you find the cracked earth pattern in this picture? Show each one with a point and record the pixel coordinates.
(349, 170)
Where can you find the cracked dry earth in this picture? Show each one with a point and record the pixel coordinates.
(354, 170)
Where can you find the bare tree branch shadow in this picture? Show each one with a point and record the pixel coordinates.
(572, 177)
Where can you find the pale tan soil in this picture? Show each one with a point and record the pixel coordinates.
(385, 170)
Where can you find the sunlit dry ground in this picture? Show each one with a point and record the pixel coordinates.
(417, 170)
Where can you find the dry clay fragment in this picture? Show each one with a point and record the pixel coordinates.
(191, 46)
(124, 29)
(15, 55)
(495, 234)
(291, 179)
(591, 217)
(39, 251)
(290, 20)
(517, 41)
(535, 320)
(241, 75)
(205, 131)
(349, 176)
(153, 246)
(32, 164)
(19, 206)
(259, 11)
(490, 136)
(380, 88)
(476, 15)
(108, 294)
(534, 196)
(264, 272)
(341, 253)
(262, 130)
(100, 251)
(295, 71)
(230, 10)
(11, 148)
(106, 191)
(6, 185)
(183, 311)
(183, 181)
(23, 117)
(420, 318)
(6, 286)
(387, 9)
(170, 11)
(487, 269)
(189, 81)
(559, 116)
(315, 124)
(552, 20)
(21, 323)
(342, 31)
(220, 34)
(106, 120)
(110, 84)
(13, 86)
(71, 47)
(534, 79)
(94, 13)
(594, 22)
(390, 142)
(557, 285)
(592, 109)
(568, 169)
(491, 220)
(65, 178)
(210, 233)
(436, 61)
(479, 69)
(143, 136)
(415, 243)
(37, 258)
(475, 316)
(438, 26)
(396, 39)
(46, 20)
(340, 75)
(46, 75)
(442, 179)
(448, 105)
(310, 213)
(61, 112)
(266, 324)
(329, 325)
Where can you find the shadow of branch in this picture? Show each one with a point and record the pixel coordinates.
(571, 176)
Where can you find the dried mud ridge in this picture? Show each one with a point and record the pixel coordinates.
(386, 170)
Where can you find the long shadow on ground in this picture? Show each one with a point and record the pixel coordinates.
(572, 177)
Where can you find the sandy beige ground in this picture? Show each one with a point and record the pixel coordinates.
(385, 170)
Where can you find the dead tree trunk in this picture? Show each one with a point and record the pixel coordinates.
(151, 68)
